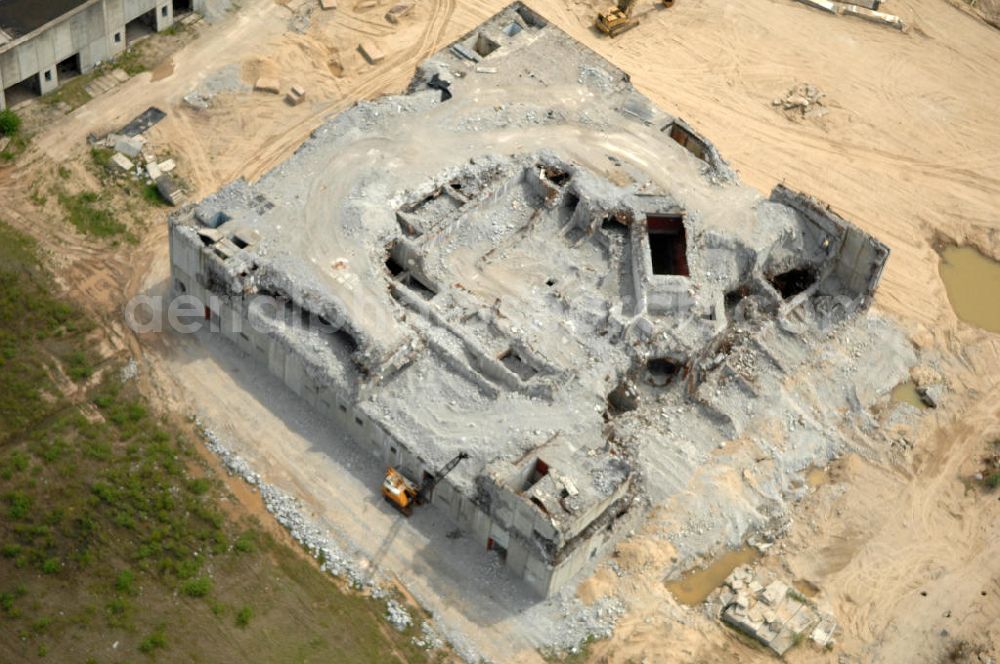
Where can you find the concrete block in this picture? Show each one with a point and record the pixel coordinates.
(122, 163)
(397, 12)
(372, 53)
(296, 95)
(170, 190)
(327, 4)
(365, 4)
(167, 166)
(153, 171)
(271, 85)
(873, 16)
(129, 147)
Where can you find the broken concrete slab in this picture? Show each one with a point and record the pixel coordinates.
(825, 5)
(871, 16)
(172, 192)
(130, 147)
(167, 165)
(397, 12)
(153, 171)
(371, 52)
(121, 163)
(769, 611)
(327, 4)
(119, 75)
(269, 85)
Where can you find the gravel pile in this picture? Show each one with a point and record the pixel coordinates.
(397, 615)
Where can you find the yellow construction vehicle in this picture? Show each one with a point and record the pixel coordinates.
(403, 494)
(618, 19)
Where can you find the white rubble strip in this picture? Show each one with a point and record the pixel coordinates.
(850, 9)
(771, 611)
(578, 622)
(287, 511)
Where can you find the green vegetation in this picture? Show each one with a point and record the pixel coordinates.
(112, 526)
(244, 616)
(151, 195)
(10, 122)
(993, 481)
(85, 211)
(12, 135)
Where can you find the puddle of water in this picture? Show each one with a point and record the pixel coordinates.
(817, 477)
(696, 585)
(973, 282)
(907, 393)
(807, 588)
(163, 71)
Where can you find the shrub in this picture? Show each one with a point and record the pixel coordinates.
(244, 616)
(10, 122)
(155, 641)
(124, 582)
(993, 481)
(198, 587)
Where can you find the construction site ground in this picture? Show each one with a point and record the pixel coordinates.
(907, 553)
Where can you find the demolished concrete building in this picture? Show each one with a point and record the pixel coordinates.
(512, 260)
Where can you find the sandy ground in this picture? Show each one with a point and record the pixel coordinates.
(910, 151)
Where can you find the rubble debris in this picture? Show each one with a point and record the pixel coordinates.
(271, 85)
(397, 12)
(371, 52)
(296, 95)
(771, 611)
(802, 101)
(167, 165)
(153, 171)
(397, 615)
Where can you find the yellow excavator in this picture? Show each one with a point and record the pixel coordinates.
(618, 19)
(403, 494)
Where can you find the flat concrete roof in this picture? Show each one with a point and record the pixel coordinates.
(21, 17)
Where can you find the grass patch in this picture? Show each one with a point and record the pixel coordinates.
(103, 525)
(10, 122)
(993, 481)
(151, 195)
(243, 616)
(90, 217)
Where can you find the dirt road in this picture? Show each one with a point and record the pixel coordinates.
(909, 150)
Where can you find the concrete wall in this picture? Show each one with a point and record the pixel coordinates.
(95, 31)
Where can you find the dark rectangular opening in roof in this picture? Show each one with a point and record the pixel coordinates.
(538, 471)
(686, 138)
(668, 244)
(793, 282)
(182, 7)
(485, 45)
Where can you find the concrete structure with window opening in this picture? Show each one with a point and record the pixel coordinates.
(38, 38)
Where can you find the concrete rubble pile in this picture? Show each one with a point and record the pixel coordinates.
(771, 612)
(592, 313)
(802, 101)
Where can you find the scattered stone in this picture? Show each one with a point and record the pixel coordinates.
(327, 4)
(397, 614)
(271, 85)
(167, 166)
(803, 100)
(153, 171)
(486, 70)
(372, 53)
